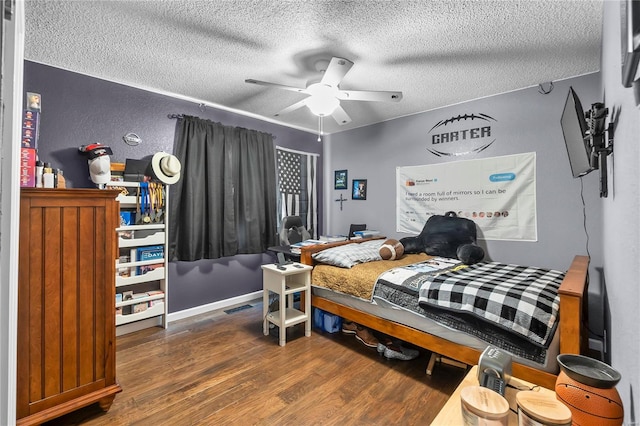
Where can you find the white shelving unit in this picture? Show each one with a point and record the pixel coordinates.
(148, 308)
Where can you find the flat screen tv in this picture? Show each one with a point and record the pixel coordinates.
(575, 127)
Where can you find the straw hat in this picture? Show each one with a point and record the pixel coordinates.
(166, 167)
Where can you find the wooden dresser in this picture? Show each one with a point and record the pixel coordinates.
(66, 293)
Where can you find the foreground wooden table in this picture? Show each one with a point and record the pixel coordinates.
(451, 413)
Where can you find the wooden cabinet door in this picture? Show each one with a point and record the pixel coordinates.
(66, 330)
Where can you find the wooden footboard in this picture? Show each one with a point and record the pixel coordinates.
(572, 326)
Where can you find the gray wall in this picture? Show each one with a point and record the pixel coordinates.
(530, 122)
(621, 224)
(78, 110)
(527, 121)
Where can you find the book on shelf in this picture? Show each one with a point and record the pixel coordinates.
(149, 253)
(139, 307)
(333, 238)
(136, 308)
(155, 301)
(297, 247)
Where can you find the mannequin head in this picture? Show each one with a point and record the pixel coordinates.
(99, 163)
(100, 170)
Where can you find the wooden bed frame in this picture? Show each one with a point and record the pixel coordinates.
(572, 327)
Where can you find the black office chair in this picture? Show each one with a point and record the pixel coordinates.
(356, 227)
(292, 231)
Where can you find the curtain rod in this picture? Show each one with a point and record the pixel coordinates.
(178, 116)
(312, 154)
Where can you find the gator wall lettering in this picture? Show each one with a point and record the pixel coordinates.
(461, 135)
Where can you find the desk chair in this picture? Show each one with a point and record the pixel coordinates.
(292, 231)
(356, 227)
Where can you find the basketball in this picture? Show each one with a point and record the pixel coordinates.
(391, 250)
(589, 405)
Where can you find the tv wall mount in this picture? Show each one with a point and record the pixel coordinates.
(600, 140)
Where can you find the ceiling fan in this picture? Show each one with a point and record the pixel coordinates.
(325, 94)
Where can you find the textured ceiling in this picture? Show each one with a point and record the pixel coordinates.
(437, 53)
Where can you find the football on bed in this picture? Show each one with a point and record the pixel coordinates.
(391, 250)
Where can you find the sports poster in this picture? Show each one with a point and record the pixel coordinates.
(498, 194)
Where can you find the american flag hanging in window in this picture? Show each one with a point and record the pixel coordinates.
(289, 165)
(298, 187)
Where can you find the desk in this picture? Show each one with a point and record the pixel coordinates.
(451, 413)
(286, 250)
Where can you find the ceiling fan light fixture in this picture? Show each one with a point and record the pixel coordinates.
(322, 105)
(324, 93)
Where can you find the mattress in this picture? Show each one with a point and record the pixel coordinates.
(395, 305)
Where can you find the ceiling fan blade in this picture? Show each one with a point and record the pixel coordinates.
(337, 69)
(290, 108)
(341, 116)
(365, 95)
(275, 85)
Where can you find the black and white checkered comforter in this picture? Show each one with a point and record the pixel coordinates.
(523, 300)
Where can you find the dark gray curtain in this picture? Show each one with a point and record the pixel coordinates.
(225, 201)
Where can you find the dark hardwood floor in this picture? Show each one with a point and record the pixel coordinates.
(218, 369)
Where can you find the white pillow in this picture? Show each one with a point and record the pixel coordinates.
(348, 255)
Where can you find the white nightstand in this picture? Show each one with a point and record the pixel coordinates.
(294, 278)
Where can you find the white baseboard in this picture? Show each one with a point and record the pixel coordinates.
(221, 304)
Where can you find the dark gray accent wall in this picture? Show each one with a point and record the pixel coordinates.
(79, 110)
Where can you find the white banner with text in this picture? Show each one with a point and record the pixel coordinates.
(498, 194)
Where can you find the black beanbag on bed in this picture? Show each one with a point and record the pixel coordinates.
(448, 236)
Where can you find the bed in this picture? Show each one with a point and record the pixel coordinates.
(569, 334)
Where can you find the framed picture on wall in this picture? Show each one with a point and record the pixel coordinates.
(359, 189)
(340, 179)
